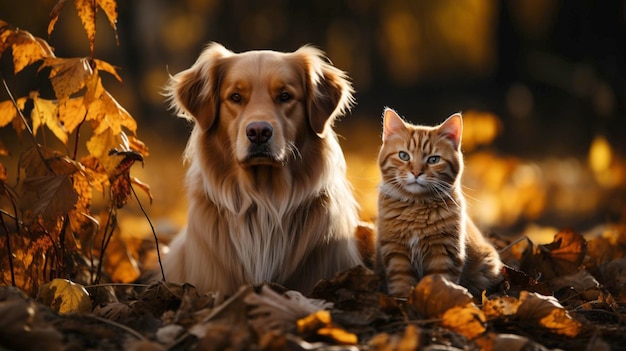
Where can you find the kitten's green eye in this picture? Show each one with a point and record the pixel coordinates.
(433, 159)
(403, 156)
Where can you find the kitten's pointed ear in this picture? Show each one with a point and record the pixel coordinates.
(392, 123)
(452, 128)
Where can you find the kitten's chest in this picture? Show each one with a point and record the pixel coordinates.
(414, 222)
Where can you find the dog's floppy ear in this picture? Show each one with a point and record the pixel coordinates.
(328, 90)
(194, 93)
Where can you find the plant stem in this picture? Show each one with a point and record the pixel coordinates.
(156, 239)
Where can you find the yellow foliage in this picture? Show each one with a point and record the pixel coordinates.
(64, 296)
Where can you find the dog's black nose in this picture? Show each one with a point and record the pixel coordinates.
(259, 132)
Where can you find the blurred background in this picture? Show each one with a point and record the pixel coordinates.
(541, 84)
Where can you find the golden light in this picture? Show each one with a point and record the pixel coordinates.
(600, 154)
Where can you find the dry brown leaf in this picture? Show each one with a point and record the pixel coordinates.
(68, 75)
(561, 257)
(55, 196)
(64, 296)
(409, 340)
(435, 294)
(271, 311)
(547, 312)
(567, 250)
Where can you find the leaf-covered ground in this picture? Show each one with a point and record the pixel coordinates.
(569, 294)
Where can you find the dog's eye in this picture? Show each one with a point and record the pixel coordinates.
(284, 97)
(235, 97)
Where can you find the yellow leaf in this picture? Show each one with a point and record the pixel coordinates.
(107, 67)
(87, 12)
(27, 49)
(68, 75)
(45, 112)
(338, 335)
(64, 296)
(71, 113)
(99, 146)
(107, 113)
(7, 112)
(467, 320)
(110, 9)
(313, 322)
(54, 15)
(502, 306)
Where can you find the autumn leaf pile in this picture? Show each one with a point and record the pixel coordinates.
(568, 294)
(48, 225)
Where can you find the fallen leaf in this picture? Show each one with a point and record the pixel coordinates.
(563, 256)
(547, 312)
(498, 307)
(271, 311)
(435, 294)
(467, 320)
(408, 340)
(64, 296)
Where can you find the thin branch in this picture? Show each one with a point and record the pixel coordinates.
(156, 239)
(512, 244)
(27, 126)
(111, 223)
(117, 284)
(127, 329)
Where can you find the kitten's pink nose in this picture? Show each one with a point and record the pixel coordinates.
(416, 173)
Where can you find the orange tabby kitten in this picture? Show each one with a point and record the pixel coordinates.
(423, 227)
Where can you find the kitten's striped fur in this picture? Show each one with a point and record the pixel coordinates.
(423, 227)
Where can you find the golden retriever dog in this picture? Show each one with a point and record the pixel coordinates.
(269, 200)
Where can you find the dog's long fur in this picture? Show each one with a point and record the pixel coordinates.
(281, 211)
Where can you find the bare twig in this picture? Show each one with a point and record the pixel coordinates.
(156, 239)
(127, 329)
(512, 244)
(110, 226)
(27, 126)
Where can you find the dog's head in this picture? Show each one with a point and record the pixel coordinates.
(267, 103)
